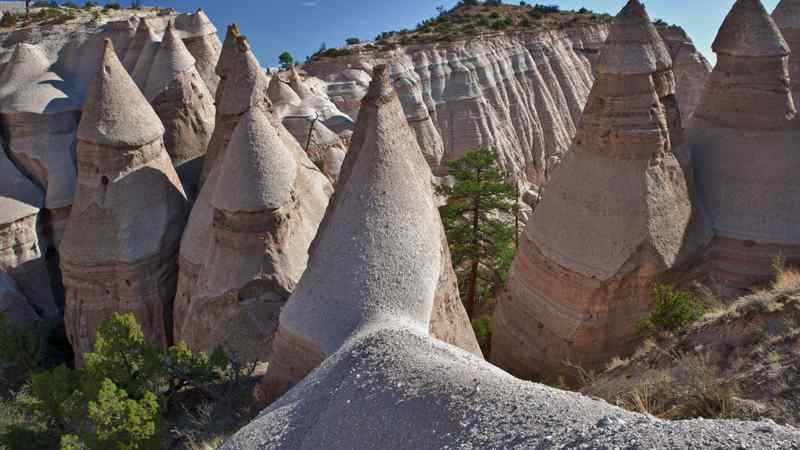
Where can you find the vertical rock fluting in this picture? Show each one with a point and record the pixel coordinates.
(119, 251)
(25, 286)
(200, 37)
(743, 137)
(616, 217)
(690, 67)
(267, 205)
(384, 181)
(181, 100)
(787, 18)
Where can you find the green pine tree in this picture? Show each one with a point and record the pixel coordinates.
(479, 220)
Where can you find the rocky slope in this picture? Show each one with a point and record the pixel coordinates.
(519, 91)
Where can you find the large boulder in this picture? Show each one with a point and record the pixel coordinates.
(120, 246)
(743, 138)
(616, 218)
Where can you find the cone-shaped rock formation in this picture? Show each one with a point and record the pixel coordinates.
(119, 251)
(146, 43)
(281, 93)
(365, 302)
(385, 180)
(243, 86)
(743, 137)
(787, 18)
(200, 37)
(267, 207)
(21, 256)
(298, 85)
(181, 100)
(616, 217)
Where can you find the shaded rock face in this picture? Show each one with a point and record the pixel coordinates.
(521, 95)
(616, 217)
(181, 100)
(787, 18)
(267, 204)
(119, 251)
(25, 289)
(690, 67)
(371, 328)
(200, 37)
(743, 138)
(384, 178)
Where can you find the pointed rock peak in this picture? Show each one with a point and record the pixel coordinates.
(749, 31)
(228, 49)
(194, 24)
(280, 93)
(116, 114)
(172, 59)
(634, 46)
(27, 63)
(258, 172)
(298, 85)
(247, 83)
(787, 14)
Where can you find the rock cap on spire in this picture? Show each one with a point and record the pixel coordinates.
(115, 113)
(787, 14)
(228, 52)
(194, 24)
(749, 31)
(247, 83)
(258, 172)
(172, 59)
(634, 46)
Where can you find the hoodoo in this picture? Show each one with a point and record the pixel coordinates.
(23, 271)
(787, 18)
(384, 181)
(267, 207)
(200, 37)
(243, 86)
(298, 85)
(616, 218)
(119, 251)
(144, 47)
(743, 137)
(281, 93)
(365, 303)
(181, 100)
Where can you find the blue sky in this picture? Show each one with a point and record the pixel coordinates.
(301, 26)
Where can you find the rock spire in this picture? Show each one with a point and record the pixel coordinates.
(616, 217)
(787, 18)
(743, 138)
(129, 197)
(200, 37)
(384, 181)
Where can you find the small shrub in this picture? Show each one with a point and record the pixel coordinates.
(672, 310)
(483, 332)
(112, 5)
(547, 9)
(9, 19)
(353, 41)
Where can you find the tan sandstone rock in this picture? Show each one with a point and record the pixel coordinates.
(744, 138)
(26, 286)
(200, 37)
(616, 218)
(267, 207)
(181, 99)
(787, 17)
(119, 251)
(145, 47)
(384, 181)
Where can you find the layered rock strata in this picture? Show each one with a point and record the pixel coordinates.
(690, 67)
(267, 206)
(26, 288)
(384, 181)
(119, 251)
(743, 137)
(181, 99)
(365, 303)
(616, 218)
(787, 17)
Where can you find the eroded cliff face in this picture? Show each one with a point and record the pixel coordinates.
(520, 94)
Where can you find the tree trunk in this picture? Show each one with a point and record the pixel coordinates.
(472, 292)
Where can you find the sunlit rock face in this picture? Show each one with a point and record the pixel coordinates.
(384, 178)
(787, 17)
(120, 247)
(743, 138)
(616, 217)
(521, 95)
